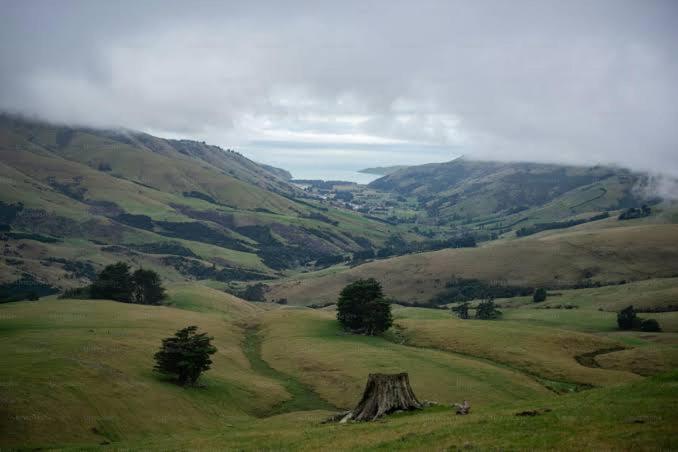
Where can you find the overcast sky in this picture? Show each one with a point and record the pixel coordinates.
(352, 84)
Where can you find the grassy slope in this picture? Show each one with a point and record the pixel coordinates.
(639, 416)
(75, 366)
(148, 176)
(80, 373)
(628, 252)
(309, 345)
(546, 352)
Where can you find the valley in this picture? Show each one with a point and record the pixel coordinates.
(258, 261)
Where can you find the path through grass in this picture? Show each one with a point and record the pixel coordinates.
(304, 398)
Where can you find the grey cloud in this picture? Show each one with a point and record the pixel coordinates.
(576, 82)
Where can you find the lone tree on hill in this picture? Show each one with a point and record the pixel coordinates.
(185, 355)
(362, 309)
(626, 318)
(539, 295)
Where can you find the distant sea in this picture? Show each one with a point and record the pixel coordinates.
(334, 174)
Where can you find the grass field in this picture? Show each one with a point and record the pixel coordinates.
(639, 416)
(79, 373)
(557, 260)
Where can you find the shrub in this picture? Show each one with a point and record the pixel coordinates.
(185, 355)
(650, 325)
(362, 309)
(539, 295)
(462, 310)
(487, 310)
(626, 318)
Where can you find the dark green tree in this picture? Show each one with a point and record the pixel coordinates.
(539, 295)
(148, 288)
(185, 355)
(650, 325)
(487, 310)
(114, 282)
(362, 309)
(626, 318)
(462, 310)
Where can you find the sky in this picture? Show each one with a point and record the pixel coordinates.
(333, 86)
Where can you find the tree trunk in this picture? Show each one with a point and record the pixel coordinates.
(384, 394)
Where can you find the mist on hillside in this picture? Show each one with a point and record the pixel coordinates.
(580, 83)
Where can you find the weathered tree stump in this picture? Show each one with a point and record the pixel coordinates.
(463, 408)
(384, 394)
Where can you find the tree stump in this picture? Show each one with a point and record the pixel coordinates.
(384, 394)
(463, 408)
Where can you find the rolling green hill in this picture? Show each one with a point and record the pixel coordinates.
(498, 197)
(77, 197)
(78, 374)
(558, 260)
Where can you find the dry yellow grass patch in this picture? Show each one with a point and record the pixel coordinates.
(547, 352)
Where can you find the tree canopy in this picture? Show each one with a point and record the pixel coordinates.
(362, 309)
(115, 282)
(185, 355)
(539, 295)
(626, 318)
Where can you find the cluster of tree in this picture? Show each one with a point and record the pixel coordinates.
(462, 289)
(362, 255)
(539, 295)
(323, 218)
(251, 292)
(8, 212)
(198, 270)
(485, 310)
(345, 196)
(635, 212)
(397, 246)
(329, 259)
(78, 269)
(628, 320)
(185, 355)
(362, 308)
(25, 287)
(200, 195)
(538, 227)
(115, 282)
(173, 248)
(321, 184)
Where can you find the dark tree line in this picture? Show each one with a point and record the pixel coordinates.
(115, 282)
(635, 212)
(538, 227)
(628, 320)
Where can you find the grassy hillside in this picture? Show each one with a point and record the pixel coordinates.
(78, 374)
(470, 189)
(310, 346)
(641, 418)
(554, 260)
(192, 210)
(81, 372)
